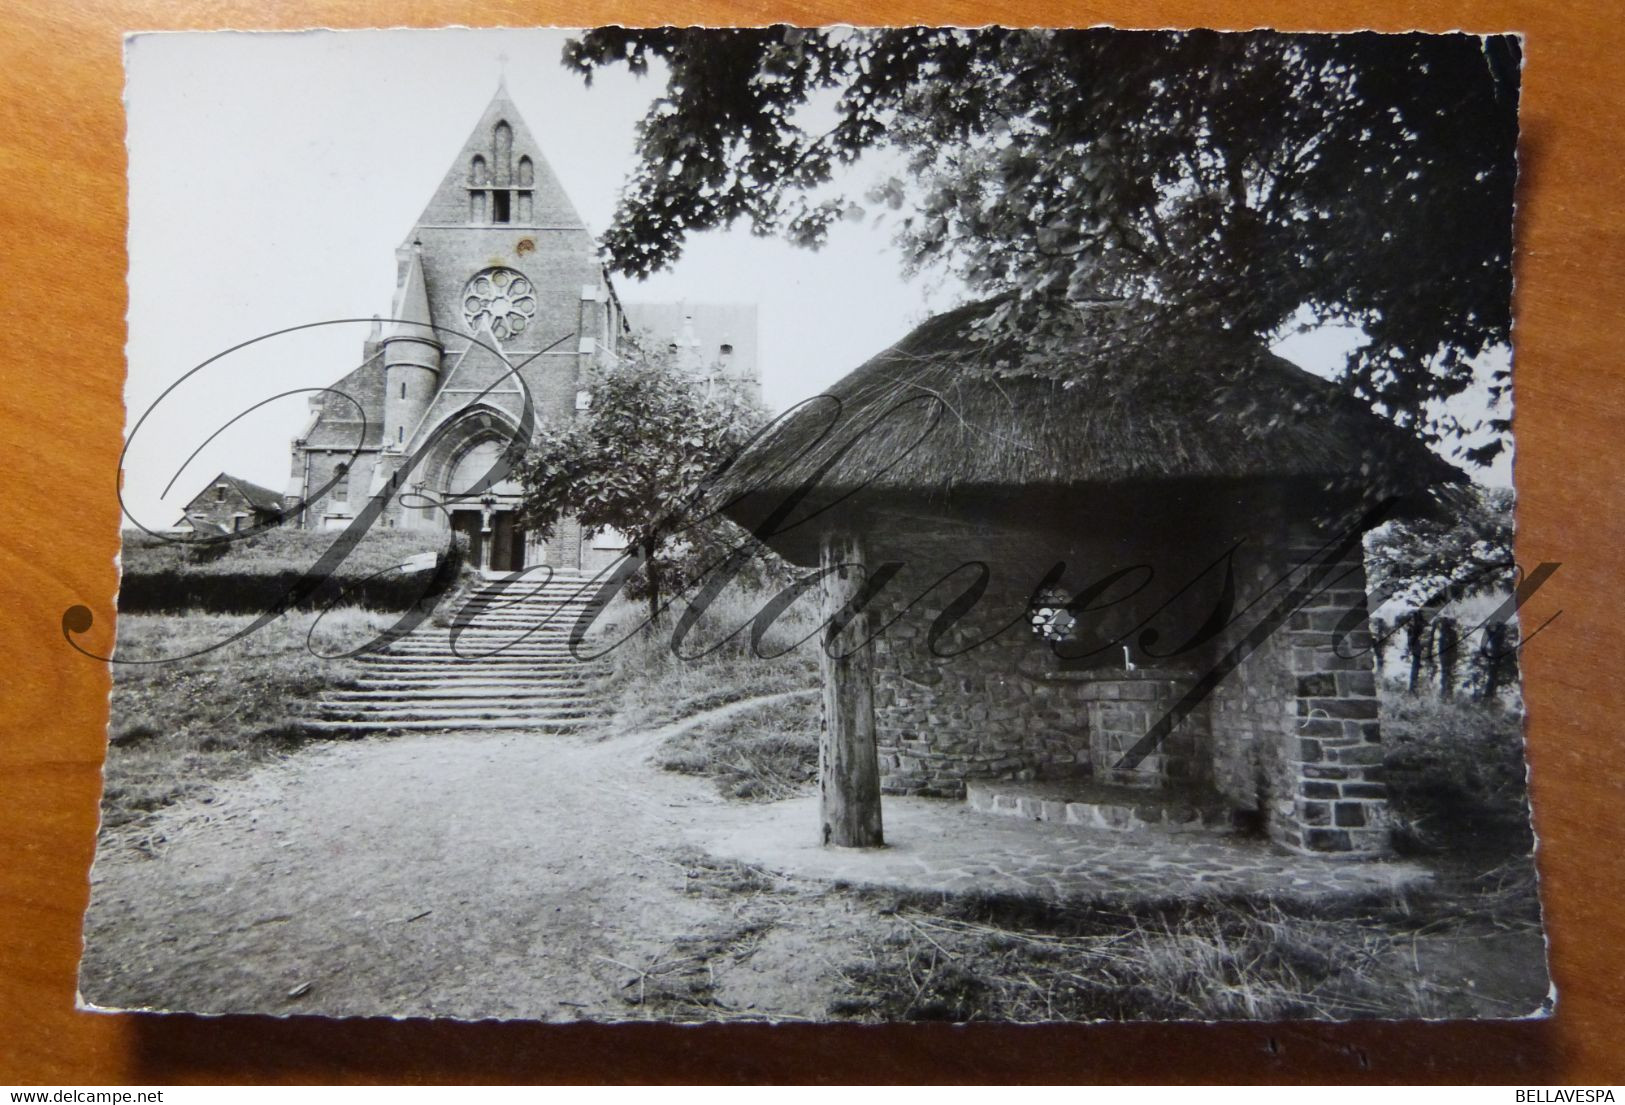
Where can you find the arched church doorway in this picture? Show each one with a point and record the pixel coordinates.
(487, 515)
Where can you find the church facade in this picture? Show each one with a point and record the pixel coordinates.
(500, 298)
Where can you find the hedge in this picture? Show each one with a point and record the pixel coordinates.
(263, 572)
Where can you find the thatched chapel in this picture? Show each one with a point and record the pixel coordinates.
(1116, 598)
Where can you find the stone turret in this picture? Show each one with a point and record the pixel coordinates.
(411, 353)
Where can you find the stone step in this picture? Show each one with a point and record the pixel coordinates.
(1088, 805)
(513, 623)
(416, 660)
(516, 599)
(538, 707)
(470, 670)
(484, 685)
(507, 660)
(487, 627)
(511, 668)
(520, 596)
(473, 644)
(462, 655)
(528, 602)
(493, 683)
(562, 725)
(540, 611)
(562, 631)
(562, 695)
(468, 642)
(538, 717)
(466, 675)
(457, 675)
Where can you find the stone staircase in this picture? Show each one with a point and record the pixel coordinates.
(510, 668)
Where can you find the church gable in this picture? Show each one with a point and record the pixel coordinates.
(501, 178)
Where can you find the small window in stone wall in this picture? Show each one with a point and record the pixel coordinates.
(1083, 631)
(499, 205)
(1052, 622)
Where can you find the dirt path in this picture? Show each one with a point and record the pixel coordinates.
(467, 875)
(559, 877)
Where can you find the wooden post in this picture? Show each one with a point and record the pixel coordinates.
(848, 763)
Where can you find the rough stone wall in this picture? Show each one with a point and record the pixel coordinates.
(1248, 711)
(1295, 732)
(1291, 733)
(1123, 708)
(1000, 704)
(1334, 761)
(940, 721)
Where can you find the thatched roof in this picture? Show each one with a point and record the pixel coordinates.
(933, 418)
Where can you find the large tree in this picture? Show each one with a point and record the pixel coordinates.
(652, 436)
(1121, 186)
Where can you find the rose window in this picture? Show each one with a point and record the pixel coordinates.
(502, 299)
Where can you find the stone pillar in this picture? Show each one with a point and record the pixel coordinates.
(1332, 799)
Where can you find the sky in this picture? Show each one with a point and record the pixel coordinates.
(272, 176)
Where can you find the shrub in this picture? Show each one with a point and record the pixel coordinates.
(1456, 770)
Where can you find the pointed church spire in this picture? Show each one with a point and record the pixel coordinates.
(411, 313)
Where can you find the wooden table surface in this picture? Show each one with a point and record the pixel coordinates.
(63, 196)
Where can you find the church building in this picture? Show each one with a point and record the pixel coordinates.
(499, 292)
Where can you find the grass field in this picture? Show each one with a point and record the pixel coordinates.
(179, 726)
(757, 755)
(976, 958)
(648, 679)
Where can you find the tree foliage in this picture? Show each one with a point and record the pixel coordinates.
(635, 461)
(1430, 562)
(1125, 187)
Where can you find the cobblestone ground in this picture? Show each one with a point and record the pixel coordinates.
(939, 845)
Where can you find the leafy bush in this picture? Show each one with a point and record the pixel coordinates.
(1456, 770)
